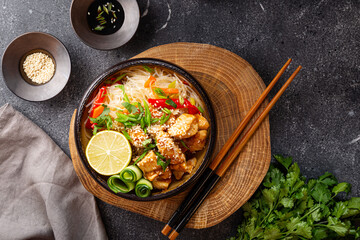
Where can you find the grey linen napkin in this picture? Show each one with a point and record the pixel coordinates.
(40, 194)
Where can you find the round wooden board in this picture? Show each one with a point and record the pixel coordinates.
(233, 86)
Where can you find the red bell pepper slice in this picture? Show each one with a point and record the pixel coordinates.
(162, 103)
(99, 100)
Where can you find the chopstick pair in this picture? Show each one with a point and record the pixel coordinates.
(213, 173)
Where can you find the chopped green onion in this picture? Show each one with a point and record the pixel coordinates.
(119, 78)
(166, 110)
(146, 142)
(172, 84)
(171, 103)
(140, 157)
(154, 120)
(200, 109)
(143, 188)
(183, 143)
(99, 28)
(130, 174)
(159, 155)
(122, 118)
(147, 114)
(160, 93)
(105, 9)
(126, 135)
(181, 100)
(141, 109)
(163, 164)
(117, 185)
(150, 146)
(125, 95)
(165, 119)
(148, 69)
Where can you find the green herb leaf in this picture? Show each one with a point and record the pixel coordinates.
(354, 202)
(163, 164)
(321, 193)
(171, 103)
(341, 187)
(148, 69)
(286, 162)
(159, 155)
(131, 108)
(160, 93)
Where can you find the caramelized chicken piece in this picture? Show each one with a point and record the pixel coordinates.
(185, 126)
(165, 174)
(180, 169)
(203, 122)
(178, 174)
(161, 184)
(197, 142)
(168, 148)
(149, 163)
(137, 136)
(190, 164)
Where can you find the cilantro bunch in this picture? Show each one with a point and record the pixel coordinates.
(286, 206)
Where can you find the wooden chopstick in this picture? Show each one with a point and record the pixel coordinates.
(209, 171)
(211, 182)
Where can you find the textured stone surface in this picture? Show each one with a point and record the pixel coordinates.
(316, 121)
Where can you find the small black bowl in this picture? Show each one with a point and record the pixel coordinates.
(90, 93)
(78, 17)
(14, 56)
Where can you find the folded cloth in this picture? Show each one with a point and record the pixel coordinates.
(40, 194)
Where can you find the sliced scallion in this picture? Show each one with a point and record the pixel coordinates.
(140, 157)
(148, 69)
(160, 93)
(126, 135)
(171, 103)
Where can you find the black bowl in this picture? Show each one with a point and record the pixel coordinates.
(92, 91)
(78, 17)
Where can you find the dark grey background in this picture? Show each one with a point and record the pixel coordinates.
(316, 121)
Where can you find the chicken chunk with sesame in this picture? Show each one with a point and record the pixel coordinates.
(168, 148)
(197, 142)
(149, 163)
(203, 122)
(138, 136)
(185, 126)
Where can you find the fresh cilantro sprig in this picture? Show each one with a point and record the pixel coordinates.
(161, 161)
(286, 206)
(102, 121)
